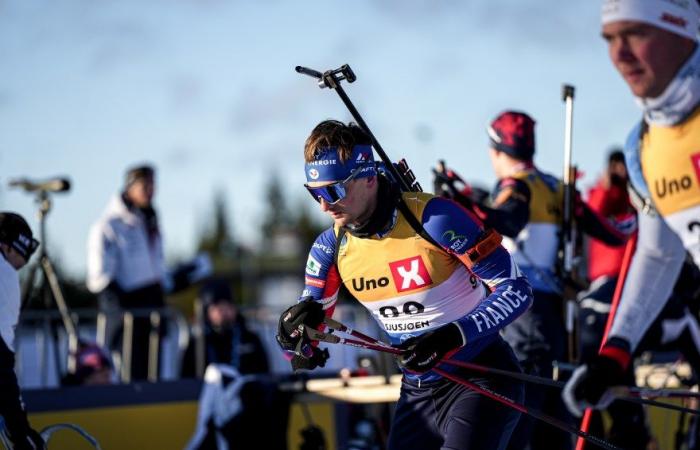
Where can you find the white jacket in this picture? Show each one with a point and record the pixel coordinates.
(9, 302)
(119, 250)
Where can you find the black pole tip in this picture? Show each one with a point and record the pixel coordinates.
(567, 91)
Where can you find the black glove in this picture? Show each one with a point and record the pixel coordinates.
(290, 330)
(318, 358)
(590, 382)
(422, 353)
(32, 440)
(603, 372)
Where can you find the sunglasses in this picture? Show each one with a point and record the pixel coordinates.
(334, 192)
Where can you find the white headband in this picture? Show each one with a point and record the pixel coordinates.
(681, 17)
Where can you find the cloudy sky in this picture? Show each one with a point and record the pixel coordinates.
(206, 91)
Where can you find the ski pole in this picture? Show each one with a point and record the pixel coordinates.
(525, 410)
(627, 393)
(330, 338)
(626, 261)
(624, 393)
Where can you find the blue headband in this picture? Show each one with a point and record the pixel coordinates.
(327, 166)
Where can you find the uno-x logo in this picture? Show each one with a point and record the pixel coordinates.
(664, 187)
(409, 274)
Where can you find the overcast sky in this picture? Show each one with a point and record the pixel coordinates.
(206, 91)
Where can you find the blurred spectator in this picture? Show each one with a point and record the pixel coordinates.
(125, 263)
(227, 339)
(610, 199)
(92, 367)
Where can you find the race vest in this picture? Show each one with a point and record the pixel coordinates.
(535, 248)
(406, 282)
(670, 160)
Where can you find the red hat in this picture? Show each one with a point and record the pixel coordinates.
(513, 132)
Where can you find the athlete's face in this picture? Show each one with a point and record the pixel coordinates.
(357, 205)
(141, 192)
(647, 57)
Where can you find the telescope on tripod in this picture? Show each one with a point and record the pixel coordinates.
(48, 287)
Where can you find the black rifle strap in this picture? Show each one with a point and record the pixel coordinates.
(415, 224)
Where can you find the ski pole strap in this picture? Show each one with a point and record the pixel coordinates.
(523, 409)
(335, 325)
(329, 338)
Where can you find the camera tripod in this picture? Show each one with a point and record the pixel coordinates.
(49, 289)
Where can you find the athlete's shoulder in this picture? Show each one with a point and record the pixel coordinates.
(634, 137)
(513, 185)
(325, 242)
(631, 152)
(451, 225)
(420, 198)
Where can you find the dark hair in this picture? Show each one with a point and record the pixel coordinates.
(214, 291)
(334, 133)
(136, 173)
(616, 155)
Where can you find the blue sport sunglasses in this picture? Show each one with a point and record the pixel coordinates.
(334, 192)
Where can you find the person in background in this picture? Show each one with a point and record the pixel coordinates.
(125, 262)
(526, 208)
(609, 198)
(17, 245)
(93, 367)
(227, 339)
(654, 46)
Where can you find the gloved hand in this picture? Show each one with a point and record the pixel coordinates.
(318, 358)
(589, 385)
(290, 330)
(423, 352)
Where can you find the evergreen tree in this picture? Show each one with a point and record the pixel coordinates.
(217, 240)
(277, 218)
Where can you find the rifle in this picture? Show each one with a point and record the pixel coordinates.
(399, 172)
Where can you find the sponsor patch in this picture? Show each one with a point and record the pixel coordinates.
(313, 174)
(362, 157)
(456, 242)
(409, 274)
(324, 248)
(314, 282)
(313, 267)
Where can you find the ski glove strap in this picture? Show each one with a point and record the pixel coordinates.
(290, 330)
